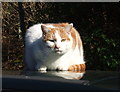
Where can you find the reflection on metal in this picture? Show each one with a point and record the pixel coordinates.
(75, 75)
(90, 79)
(68, 74)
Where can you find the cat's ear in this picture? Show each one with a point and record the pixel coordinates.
(68, 28)
(44, 29)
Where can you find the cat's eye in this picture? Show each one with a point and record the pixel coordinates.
(63, 40)
(52, 40)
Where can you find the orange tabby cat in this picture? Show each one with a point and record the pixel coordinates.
(54, 46)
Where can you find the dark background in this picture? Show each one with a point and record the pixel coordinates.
(97, 23)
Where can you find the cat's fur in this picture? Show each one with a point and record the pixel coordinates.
(53, 46)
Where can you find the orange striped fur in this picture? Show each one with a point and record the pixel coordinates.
(77, 68)
(50, 35)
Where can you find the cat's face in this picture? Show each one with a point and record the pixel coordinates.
(58, 39)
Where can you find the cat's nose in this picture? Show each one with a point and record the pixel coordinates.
(57, 47)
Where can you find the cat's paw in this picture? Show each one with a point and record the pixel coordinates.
(77, 67)
(42, 68)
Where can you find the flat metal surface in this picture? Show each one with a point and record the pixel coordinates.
(61, 80)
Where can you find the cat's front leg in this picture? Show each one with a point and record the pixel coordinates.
(40, 67)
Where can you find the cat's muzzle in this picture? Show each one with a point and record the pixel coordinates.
(58, 51)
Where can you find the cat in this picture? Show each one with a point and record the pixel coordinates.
(53, 46)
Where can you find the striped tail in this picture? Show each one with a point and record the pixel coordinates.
(77, 68)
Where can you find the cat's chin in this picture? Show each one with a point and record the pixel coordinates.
(59, 52)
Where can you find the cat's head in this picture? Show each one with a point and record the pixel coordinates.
(57, 37)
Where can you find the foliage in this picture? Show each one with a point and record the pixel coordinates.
(102, 52)
(97, 24)
(12, 44)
